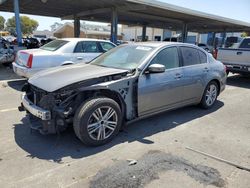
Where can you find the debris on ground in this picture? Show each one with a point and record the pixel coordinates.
(132, 162)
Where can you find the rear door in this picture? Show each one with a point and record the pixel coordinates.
(195, 70)
(160, 91)
(85, 51)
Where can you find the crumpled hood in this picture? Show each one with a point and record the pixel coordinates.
(56, 78)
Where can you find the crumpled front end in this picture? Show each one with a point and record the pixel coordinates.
(49, 113)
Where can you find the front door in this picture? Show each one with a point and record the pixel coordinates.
(161, 91)
(85, 51)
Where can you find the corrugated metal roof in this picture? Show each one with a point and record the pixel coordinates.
(132, 12)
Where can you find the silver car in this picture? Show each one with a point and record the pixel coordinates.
(59, 52)
(128, 82)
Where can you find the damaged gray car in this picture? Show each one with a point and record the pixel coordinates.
(127, 83)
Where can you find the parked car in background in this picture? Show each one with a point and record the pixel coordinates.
(231, 41)
(129, 82)
(57, 53)
(31, 43)
(236, 59)
(45, 41)
(204, 46)
(7, 53)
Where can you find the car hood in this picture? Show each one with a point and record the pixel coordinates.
(56, 78)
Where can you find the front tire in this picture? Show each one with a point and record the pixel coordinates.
(210, 95)
(97, 121)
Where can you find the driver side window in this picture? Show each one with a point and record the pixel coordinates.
(168, 57)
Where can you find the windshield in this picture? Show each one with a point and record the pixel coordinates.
(54, 45)
(123, 57)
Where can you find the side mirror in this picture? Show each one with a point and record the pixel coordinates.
(156, 68)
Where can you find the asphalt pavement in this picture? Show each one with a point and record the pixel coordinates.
(158, 145)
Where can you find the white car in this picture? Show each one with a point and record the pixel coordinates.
(204, 47)
(57, 53)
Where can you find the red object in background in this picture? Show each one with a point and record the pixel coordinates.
(215, 53)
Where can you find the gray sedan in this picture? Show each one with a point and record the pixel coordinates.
(129, 82)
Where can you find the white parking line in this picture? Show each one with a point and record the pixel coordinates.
(8, 110)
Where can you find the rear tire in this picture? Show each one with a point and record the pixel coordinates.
(97, 121)
(210, 95)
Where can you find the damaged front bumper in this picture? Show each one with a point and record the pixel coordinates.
(35, 110)
(40, 119)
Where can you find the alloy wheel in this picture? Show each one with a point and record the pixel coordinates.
(102, 123)
(211, 94)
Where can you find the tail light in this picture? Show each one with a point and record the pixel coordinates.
(29, 63)
(225, 68)
(215, 53)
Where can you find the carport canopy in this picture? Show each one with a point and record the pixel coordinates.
(147, 13)
(131, 12)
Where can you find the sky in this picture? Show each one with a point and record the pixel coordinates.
(239, 10)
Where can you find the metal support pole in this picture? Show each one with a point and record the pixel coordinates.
(18, 25)
(224, 34)
(184, 32)
(114, 25)
(76, 27)
(144, 31)
(214, 40)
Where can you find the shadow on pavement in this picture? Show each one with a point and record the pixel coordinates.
(17, 84)
(54, 147)
(239, 81)
(6, 73)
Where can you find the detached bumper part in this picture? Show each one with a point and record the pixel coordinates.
(35, 110)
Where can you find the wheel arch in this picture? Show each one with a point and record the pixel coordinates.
(218, 84)
(88, 94)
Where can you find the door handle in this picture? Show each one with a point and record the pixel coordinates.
(239, 53)
(79, 58)
(206, 69)
(178, 76)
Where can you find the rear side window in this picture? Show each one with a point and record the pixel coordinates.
(245, 43)
(54, 45)
(168, 57)
(190, 56)
(106, 46)
(203, 57)
(86, 47)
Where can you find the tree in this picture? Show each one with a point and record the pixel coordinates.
(27, 25)
(55, 26)
(2, 21)
(245, 34)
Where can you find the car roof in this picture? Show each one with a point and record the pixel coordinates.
(82, 39)
(158, 44)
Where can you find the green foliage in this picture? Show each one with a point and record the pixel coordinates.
(27, 25)
(245, 34)
(2, 21)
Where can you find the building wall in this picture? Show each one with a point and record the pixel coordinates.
(135, 33)
(68, 32)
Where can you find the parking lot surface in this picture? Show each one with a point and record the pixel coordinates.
(157, 145)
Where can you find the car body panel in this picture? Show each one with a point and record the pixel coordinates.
(66, 75)
(194, 81)
(157, 91)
